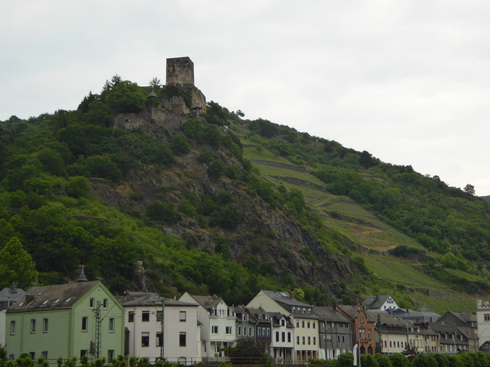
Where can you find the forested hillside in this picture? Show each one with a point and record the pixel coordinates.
(221, 204)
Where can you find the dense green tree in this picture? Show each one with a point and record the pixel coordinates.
(424, 360)
(345, 360)
(16, 265)
(78, 187)
(166, 212)
(368, 360)
(126, 97)
(248, 351)
(398, 360)
(383, 360)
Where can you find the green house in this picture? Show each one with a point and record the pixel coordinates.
(66, 320)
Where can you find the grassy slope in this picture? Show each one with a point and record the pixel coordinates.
(342, 214)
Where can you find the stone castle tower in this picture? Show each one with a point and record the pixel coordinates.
(180, 71)
(186, 100)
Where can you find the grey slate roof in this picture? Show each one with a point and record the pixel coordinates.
(374, 302)
(208, 302)
(416, 316)
(52, 297)
(286, 299)
(134, 299)
(10, 295)
(329, 314)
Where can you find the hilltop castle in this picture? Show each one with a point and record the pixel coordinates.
(172, 103)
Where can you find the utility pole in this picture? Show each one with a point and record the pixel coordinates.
(98, 331)
(162, 354)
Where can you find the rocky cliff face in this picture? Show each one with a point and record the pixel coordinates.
(265, 235)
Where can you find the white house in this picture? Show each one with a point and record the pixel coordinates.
(144, 333)
(483, 322)
(218, 324)
(381, 303)
(282, 342)
(305, 322)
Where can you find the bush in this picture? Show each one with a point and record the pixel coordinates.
(166, 212)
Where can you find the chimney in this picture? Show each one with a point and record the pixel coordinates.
(82, 278)
(13, 288)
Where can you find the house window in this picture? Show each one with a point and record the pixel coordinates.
(44, 354)
(182, 339)
(283, 322)
(159, 339)
(309, 340)
(32, 354)
(228, 330)
(182, 316)
(259, 332)
(131, 316)
(145, 316)
(45, 325)
(33, 325)
(289, 337)
(159, 316)
(92, 302)
(145, 339)
(239, 331)
(314, 325)
(111, 325)
(283, 337)
(12, 327)
(304, 340)
(105, 303)
(486, 316)
(214, 330)
(303, 324)
(110, 356)
(83, 353)
(277, 336)
(308, 324)
(84, 323)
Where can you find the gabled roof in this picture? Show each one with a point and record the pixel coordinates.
(286, 299)
(375, 302)
(416, 316)
(208, 302)
(10, 295)
(135, 299)
(329, 314)
(53, 297)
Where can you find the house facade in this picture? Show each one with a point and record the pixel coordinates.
(363, 329)
(380, 303)
(335, 333)
(483, 322)
(178, 341)
(218, 325)
(305, 336)
(67, 320)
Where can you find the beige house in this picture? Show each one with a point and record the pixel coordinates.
(306, 329)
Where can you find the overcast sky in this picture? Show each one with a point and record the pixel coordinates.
(408, 81)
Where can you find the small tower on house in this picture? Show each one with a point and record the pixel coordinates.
(180, 71)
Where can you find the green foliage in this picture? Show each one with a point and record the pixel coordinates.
(16, 265)
(383, 360)
(248, 351)
(102, 166)
(78, 187)
(166, 212)
(180, 145)
(368, 360)
(424, 360)
(345, 360)
(126, 97)
(398, 360)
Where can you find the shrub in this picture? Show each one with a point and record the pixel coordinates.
(166, 212)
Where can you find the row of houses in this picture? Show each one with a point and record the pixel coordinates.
(84, 319)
